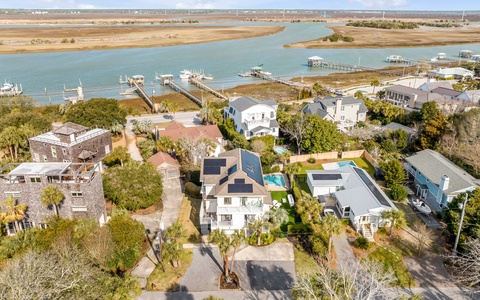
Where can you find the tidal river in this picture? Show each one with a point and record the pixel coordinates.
(43, 75)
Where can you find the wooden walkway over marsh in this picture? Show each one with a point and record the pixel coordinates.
(205, 87)
(183, 91)
(143, 94)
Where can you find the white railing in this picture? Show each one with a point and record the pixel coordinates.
(254, 122)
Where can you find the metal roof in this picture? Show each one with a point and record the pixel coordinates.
(244, 103)
(34, 168)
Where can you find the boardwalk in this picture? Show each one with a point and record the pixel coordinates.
(183, 91)
(205, 87)
(142, 94)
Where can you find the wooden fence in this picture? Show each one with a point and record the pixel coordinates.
(317, 156)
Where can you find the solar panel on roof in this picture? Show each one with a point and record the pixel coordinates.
(326, 176)
(216, 162)
(368, 182)
(211, 170)
(232, 169)
(223, 180)
(240, 188)
(252, 166)
(239, 180)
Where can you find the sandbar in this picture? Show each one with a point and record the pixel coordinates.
(396, 38)
(94, 37)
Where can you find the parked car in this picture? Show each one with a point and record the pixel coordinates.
(329, 211)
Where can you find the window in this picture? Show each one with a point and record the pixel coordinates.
(342, 118)
(243, 200)
(272, 115)
(15, 195)
(54, 151)
(45, 158)
(64, 151)
(77, 194)
(227, 201)
(80, 147)
(342, 108)
(66, 161)
(226, 218)
(36, 157)
(79, 208)
(107, 149)
(35, 179)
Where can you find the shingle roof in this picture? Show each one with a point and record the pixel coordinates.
(434, 165)
(210, 131)
(446, 91)
(161, 157)
(436, 84)
(244, 103)
(395, 126)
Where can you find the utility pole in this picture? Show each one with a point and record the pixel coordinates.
(464, 205)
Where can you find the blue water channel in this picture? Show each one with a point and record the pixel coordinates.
(43, 75)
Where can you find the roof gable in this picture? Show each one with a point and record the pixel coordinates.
(245, 102)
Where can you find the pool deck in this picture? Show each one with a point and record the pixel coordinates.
(333, 165)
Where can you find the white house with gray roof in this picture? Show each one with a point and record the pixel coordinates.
(358, 197)
(437, 179)
(432, 84)
(344, 111)
(253, 117)
(233, 191)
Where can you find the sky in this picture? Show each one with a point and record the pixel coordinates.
(239, 4)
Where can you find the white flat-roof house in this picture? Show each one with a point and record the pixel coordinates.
(344, 111)
(233, 191)
(253, 117)
(455, 73)
(437, 179)
(358, 197)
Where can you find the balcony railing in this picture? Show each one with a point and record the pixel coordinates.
(256, 122)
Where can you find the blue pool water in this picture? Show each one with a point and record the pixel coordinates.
(346, 163)
(276, 180)
(280, 150)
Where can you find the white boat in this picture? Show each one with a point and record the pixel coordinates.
(421, 206)
(10, 89)
(207, 77)
(185, 74)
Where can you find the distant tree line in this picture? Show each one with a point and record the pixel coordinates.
(384, 24)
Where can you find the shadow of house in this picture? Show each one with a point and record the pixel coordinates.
(262, 276)
(183, 294)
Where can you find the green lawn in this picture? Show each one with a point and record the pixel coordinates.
(304, 263)
(393, 261)
(364, 164)
(316, 166)
(279, 195)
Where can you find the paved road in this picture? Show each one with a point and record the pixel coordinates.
(187, 118)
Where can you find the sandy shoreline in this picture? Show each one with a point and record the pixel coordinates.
(73, 38)
(397, 38)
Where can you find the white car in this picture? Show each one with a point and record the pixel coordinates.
(328, 211)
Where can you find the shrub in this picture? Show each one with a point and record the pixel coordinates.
(301, 228)
(362, 243)
(195, 177)
(265, 239)
(311, 160)
(192, 189)
(297, 193)
(275, 169)
(398, 192)
(382, 231)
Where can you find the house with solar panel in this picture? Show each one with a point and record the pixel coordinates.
(253, 117)
(233, 191)
(346, 112)
(357, 196)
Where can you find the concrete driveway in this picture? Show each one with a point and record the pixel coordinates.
(254, 272)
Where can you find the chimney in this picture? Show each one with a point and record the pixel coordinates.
(338, 105)
(444, 182)
(72, 137)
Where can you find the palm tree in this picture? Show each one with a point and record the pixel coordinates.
(291, 169)
(14, 212)
(237, 239)
(278, 217)
(11, 138)
(52, 195)
(257, 226)
(224, 244)
(172, 250)
(175, 231)
(173, 108)
(332, 226)
(309, 209)
(396, 218)
(374, 83)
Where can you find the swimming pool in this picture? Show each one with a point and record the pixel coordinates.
(280, 150)
(275, 179)
(346, 163)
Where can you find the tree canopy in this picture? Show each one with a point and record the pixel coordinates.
(133, 186)
(393, 172)
(320, 135)
(96, 112)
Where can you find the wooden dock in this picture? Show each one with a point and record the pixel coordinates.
(269, 77)
(183, 91)
(142, 94)
(356, 68)
(205, 87)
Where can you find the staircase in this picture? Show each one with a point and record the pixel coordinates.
(367, 232)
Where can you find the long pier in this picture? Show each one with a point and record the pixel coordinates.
(205, 87)
(267, 76)
(183, 91)
(355, 68)
(142, 94)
